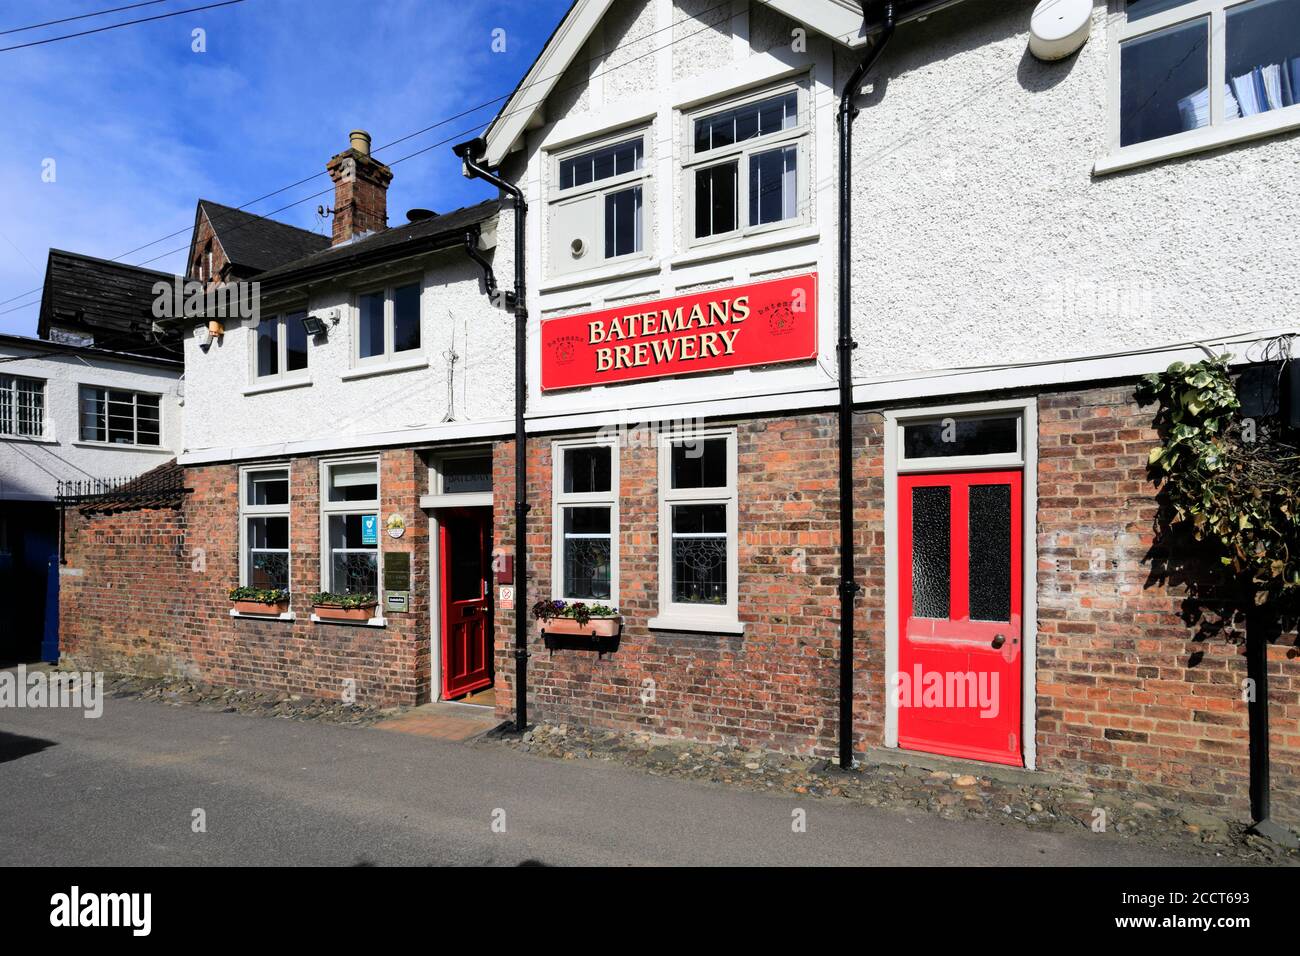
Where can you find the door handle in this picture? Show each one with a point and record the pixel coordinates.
(999, 640)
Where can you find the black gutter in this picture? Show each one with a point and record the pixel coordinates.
(848, 583)
(471, 155)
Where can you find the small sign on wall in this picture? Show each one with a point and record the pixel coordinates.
(397, 571)
(397, 601)
(370, 529)
(506, 597)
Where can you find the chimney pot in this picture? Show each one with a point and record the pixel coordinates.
(360, 141)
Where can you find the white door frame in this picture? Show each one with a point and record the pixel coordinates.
(1027, 459)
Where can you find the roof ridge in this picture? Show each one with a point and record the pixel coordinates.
(254, 215)
(110, 262)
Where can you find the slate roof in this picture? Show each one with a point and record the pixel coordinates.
(387, 244)
(160, 487)
(112, 301)
(256, 243)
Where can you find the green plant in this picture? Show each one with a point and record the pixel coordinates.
(343, 600)
(1235, 488)
(578, 610)
(260, 595)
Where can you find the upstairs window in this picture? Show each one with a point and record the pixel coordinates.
(117, 417)
(598, 212)
(281, 346)
(387, 324)
(22, 407)
(1208, 71)
(748, 165)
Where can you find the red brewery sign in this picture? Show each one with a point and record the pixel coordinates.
(758, 324)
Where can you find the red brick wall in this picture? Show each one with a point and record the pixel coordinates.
(776, 686)
(1126, 697)
(152, 598)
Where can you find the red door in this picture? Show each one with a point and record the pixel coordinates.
(960, 576)
(464, 558)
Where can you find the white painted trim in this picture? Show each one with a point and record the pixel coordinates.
(480, 499)
(435, 609)
(286, 616)
(1028, 409)
(275, 384)
(373, 622)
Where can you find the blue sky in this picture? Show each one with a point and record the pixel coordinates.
(139, 126)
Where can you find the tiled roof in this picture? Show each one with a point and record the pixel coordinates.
(160, 487)
(257, 243)
(390, 240)
(112, 301)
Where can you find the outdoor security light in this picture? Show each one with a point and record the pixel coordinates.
(313, 325)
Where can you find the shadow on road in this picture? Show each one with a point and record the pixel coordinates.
(16, 746)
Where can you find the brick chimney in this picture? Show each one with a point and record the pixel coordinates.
(360, 190)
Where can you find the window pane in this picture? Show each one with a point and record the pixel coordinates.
(406, 318)
(601, 164)
(354, 482)
(466, 475)
(930, 552)
(7, 391)
(1138, 9)
(354, 566)
(1263, 57)
(268, 552)
(951, 437)
(587, 470)
(30, 412)
(699, 554)
(746, 122)
(268, 337)
(295, 342)
(1163, 76)
(699, 463)
(989, 572)
(587, 553)
(146, 421)
(370, 325)
(121, 418)
(92, 414)
(772, 185)
(623, 222)
(268, 487)
(715, 200)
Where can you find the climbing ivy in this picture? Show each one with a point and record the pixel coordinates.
(1229, 481)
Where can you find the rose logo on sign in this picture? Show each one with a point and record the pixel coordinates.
(766, 323)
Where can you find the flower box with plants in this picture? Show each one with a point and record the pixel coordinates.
(577, 617)
(249, 600)
(329, 606)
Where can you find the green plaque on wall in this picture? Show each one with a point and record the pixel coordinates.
(397, 571)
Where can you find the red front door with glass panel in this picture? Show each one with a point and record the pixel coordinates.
(464, 557)
(958, 686)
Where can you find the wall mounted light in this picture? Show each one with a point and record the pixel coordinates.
(313, 325)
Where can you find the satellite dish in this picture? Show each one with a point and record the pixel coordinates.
(1058, 28)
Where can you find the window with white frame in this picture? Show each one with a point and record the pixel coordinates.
(747, 166)
(22, 407)
(350, 526)
(598, 203)
(264, 525)
(697, 530)
(280, 346)
(387, 323)
(585, 566)
(117, 417)
(1210, 65)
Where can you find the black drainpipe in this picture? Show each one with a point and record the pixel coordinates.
(848, 584)
(470, 154)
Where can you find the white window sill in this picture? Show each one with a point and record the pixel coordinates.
(770, 239)
(286, 616)
(1198, 140)
(620, 269)
(697, 623)
(155, 449)
(373, 622)
(276, 385)
(28, 439)
(385, 368)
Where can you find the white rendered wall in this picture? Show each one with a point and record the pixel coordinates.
(228, 416)
(30, 469)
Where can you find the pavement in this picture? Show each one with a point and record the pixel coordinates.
(132, 787)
